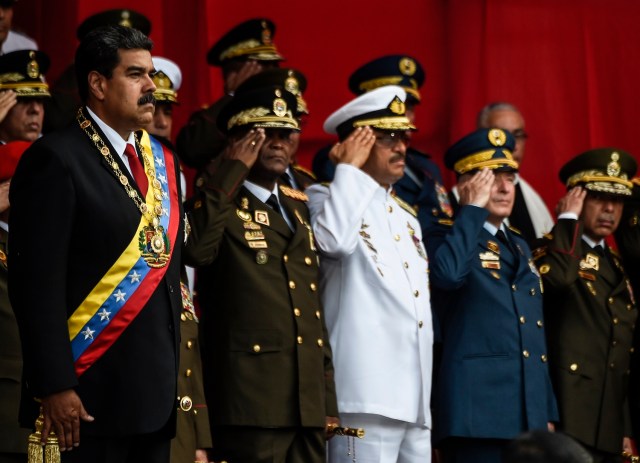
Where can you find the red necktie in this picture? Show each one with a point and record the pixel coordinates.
(137, 169)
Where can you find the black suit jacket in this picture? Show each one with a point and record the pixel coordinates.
(72, 220)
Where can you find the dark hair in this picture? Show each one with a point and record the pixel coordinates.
(99, 51)
(545, 447)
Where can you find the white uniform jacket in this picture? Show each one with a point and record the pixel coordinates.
(375, 291)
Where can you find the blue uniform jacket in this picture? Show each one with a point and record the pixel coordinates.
(493, 380)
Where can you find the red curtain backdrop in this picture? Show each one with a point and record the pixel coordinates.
(571, 66)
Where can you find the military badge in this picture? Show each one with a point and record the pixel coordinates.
(497, 137)
(417, 242)
(243, 215)
(186, 403)
(443, 199)
(187, 228)
(244, 203)
(586, 275)
(592, 290)
(262, 257)
(488, 256)
(253, 235)
(490, 264)
(407, 66)
(251, 225)
(279, 107)
(33, 70)
(590, 261)
(258, 244)
(187, 301)
(154, 246)
(262, 217)
(495, 274)
(544, 269)
(397, 106)
(493, 246)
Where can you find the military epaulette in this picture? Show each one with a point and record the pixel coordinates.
(447, 222)
(295, 194)
(514, 230)
(539, 252)
(405, 206)
(305, 171)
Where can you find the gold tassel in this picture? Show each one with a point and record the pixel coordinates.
(37, 453)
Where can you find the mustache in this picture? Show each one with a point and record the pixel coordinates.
(146, 99)
(397, 157)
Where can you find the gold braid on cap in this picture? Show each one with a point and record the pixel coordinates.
(484, 159)
(386, 123)
(251, 47)
(372, 84)
(595, 180)
(262, 117)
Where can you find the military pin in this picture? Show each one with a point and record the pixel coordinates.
(591, 288)
(244, 215)
(244, 203)
(262, 257)
(493, 246)
(262, 217)
(495, 274)
(298, 216)
(590, 261)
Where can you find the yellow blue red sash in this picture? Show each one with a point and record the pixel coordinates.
(125, 289)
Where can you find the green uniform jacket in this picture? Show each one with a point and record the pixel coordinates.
(13, 438)
(266, 357)
(590, 320)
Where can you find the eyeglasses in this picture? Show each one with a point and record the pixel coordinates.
(390, 139)
(520, 134)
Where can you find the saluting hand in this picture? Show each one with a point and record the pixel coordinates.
(355, 149)
(572, 201)
(62, 413)
(8, 100)
(476, 189)
(246, 148)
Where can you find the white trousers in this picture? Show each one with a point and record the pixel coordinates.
(385, 441)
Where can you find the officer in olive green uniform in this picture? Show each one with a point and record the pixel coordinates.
(266, 359)
(13, 439)
(589, 307)
(243, 51)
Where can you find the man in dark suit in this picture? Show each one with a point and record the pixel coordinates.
(98, 305)
(493, 381)
(242, 52)
(266, 358)
(589, 303)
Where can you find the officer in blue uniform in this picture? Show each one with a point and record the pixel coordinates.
(421, 186)
(493, 381)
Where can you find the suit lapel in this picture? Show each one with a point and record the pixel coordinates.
(301, 231)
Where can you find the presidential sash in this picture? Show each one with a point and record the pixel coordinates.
(127, 286)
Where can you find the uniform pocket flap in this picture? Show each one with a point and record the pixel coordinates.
(256, 341)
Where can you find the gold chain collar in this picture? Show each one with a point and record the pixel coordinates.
(151, 214)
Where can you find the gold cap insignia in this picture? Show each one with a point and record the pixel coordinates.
(279, 107)
(407, 66)
(497, 137)
(162, 81)
(124, 19)
(291, 85)
(397, 106)
(613, 168)
(33, 70)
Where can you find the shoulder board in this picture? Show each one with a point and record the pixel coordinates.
(405, 206)
(448, 222)
(307, 172)
(295, 194)
(514, 230)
